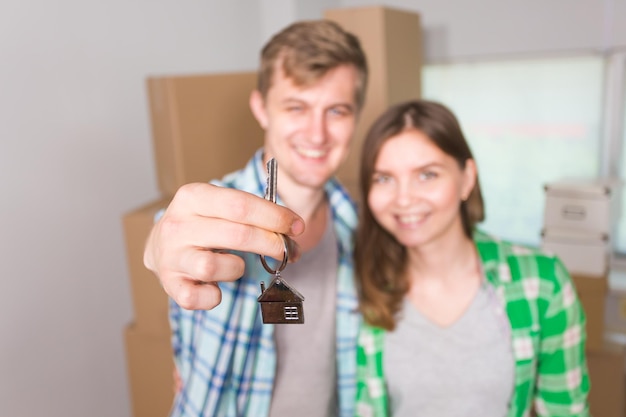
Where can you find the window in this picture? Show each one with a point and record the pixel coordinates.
(620, 241)
(529, 122)
(291, 313)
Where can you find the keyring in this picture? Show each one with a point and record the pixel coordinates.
(285, 258)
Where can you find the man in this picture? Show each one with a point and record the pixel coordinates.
(311, 87)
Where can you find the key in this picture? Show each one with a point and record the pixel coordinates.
(280, 303)
(272, 177)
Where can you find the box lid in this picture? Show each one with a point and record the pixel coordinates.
(584, 188)
(573, 235)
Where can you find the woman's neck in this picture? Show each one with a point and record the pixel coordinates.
(443, 261)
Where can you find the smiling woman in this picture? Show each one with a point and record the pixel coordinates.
(416, 186)
(451, 312)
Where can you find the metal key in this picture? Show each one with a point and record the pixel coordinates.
(272, 177)
(280, 303)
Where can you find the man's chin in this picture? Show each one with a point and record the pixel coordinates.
(314, 181)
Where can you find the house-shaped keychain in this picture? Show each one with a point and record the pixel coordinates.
(280, 303)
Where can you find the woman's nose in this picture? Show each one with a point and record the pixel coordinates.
(405, 193)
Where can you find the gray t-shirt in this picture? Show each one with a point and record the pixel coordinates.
(306, 374)
(463, 370)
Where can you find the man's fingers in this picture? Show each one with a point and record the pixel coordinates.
(208, 200)
(194, 284)
(187, 248)
(192, 280)
(194, 295)
(293, 249)
(206, 265)
(218, 234)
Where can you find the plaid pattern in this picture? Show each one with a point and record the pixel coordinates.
(226, 356)
(547, 330)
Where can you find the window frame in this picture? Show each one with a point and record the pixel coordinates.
(612, 146)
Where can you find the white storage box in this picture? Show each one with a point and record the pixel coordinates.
(582, 253)
(592, 206)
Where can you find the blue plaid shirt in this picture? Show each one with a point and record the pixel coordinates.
(226, 357)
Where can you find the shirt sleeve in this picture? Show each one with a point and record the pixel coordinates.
(562, 376)
(176, 339)
(371, 398)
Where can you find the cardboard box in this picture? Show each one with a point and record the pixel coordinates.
(150, 302)
(591, 206)
(592, 291)
(582, 252)
(615, 311)
(150, 367)
(392, 41)
(202, 126)
(608, 383)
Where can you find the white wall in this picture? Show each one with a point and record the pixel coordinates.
(76, 153)
(276, 14)
(461, 29)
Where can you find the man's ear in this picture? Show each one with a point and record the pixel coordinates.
(257, 105)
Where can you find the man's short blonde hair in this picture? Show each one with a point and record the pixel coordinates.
(307, 50)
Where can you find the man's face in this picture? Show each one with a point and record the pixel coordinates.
(308, 129)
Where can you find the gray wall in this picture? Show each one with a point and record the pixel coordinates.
(460, 29)
(76, 153)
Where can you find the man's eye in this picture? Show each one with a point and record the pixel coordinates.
(338, 111)
(381, 179)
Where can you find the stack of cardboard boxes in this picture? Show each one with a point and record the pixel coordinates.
(202, 129)
(579, 217)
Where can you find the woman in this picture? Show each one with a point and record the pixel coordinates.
(456, 322)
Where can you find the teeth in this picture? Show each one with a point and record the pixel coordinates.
(410, 218)
(311, 153)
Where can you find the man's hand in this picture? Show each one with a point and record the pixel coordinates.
(186, 246)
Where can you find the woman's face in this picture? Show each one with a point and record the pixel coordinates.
(417, 190)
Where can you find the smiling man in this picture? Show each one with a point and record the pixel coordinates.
(311, 87)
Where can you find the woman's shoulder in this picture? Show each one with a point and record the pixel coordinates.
(369, 331)
(518, 261)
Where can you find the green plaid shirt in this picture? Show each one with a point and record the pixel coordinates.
(547, 331)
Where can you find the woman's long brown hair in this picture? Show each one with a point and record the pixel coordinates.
(380, 260)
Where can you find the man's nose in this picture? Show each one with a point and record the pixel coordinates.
(317, 128)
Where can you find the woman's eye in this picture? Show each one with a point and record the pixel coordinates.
(427, 175)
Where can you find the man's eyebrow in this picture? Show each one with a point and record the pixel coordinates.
(293, 100)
